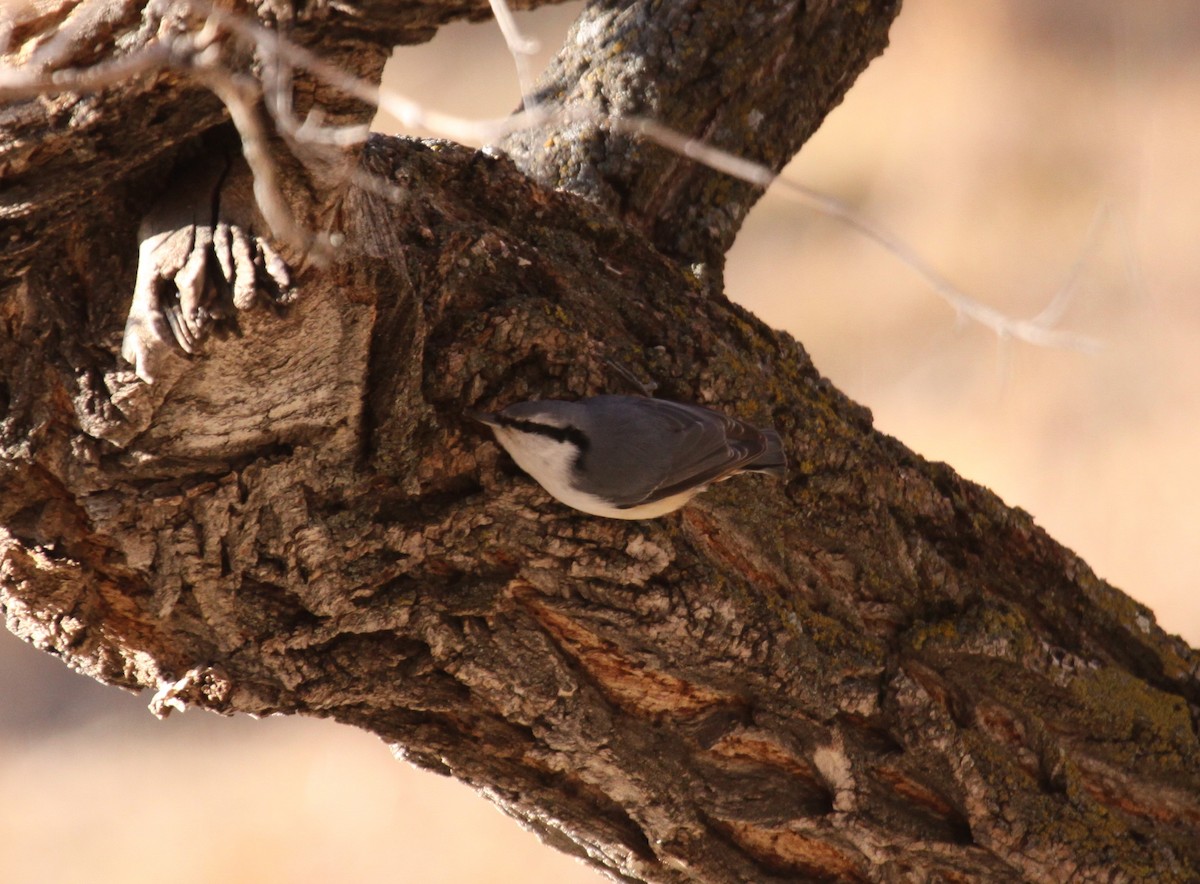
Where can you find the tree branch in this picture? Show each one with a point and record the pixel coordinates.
(111, 137)
(874, 672)
(757, 83)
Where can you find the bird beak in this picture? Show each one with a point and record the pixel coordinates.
(484, 417)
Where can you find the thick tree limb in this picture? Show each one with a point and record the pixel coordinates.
(875, 672)
(710, 70)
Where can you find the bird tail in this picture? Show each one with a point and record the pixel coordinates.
(772, 461)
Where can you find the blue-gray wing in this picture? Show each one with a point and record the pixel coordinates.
(692, 446)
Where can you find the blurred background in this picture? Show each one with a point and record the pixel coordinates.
(1018, 147)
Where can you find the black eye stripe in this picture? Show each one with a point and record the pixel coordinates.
(558, 434)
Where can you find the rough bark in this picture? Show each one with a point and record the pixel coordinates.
(875, 671)
(755, 79)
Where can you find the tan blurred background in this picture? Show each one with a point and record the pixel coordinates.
(1006, 142)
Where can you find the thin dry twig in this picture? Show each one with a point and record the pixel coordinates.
(411, 114)
(196, 53)
(520, 47)
(240, 96)
(18, 84)
(1038, 331)
(281, 55)
(277, 94)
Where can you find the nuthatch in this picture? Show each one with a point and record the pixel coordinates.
(630, 457)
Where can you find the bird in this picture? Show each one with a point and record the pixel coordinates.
(630, 457)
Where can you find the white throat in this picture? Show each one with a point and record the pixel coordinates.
(551, 463)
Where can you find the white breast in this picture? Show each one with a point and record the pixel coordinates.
(549, 462)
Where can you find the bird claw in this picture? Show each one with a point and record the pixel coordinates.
(195, 270)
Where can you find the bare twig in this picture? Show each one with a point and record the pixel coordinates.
(694, 149)
(313, 131)
(520, 47)
(240, 97)
(1054, 311)
(411, 114)
(20, 83)
(1038, 331)
(197, 54)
